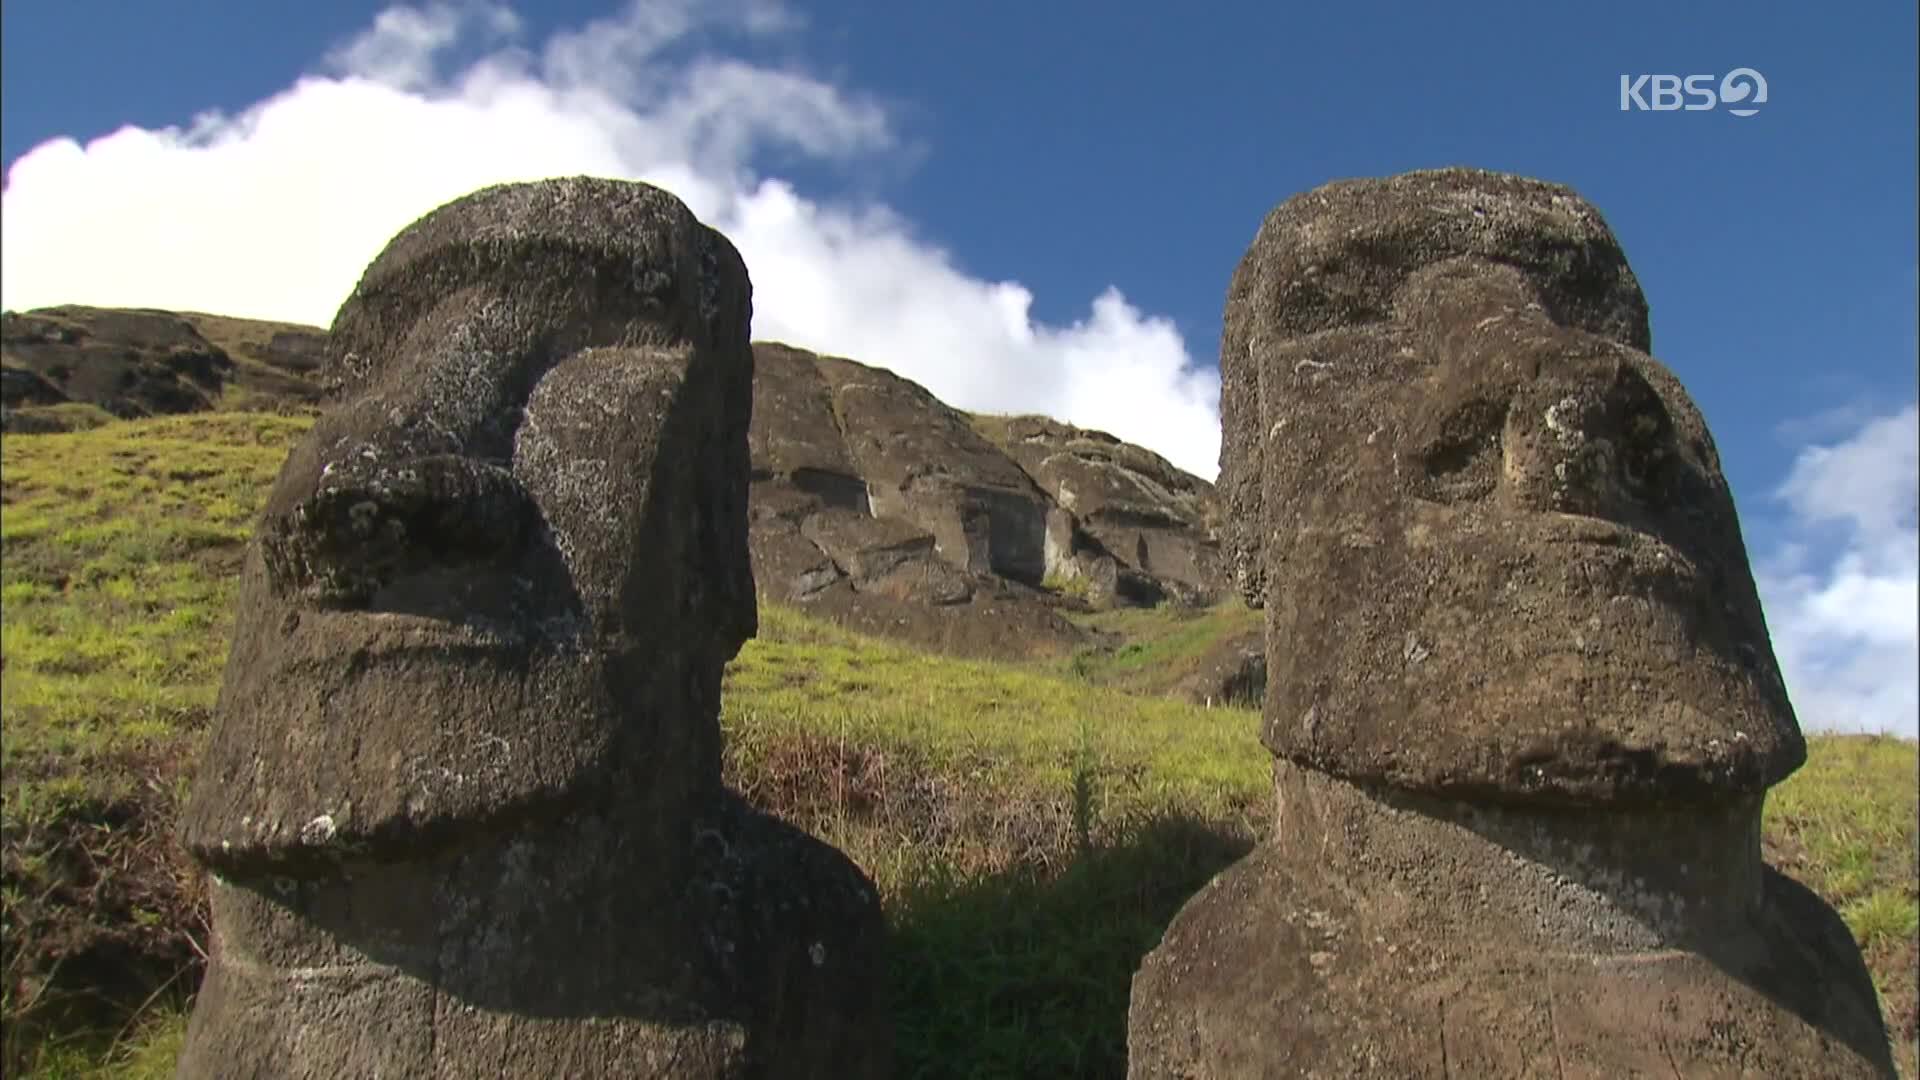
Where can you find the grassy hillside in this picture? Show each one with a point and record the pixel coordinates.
(1032, 829)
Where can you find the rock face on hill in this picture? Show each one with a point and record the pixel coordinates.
(1520, 769)
(133, 363)
(462, 797)
(874, 503)
(877, 504)
(1120, 512)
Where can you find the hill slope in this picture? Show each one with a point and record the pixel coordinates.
(876, 504)
(74, 366)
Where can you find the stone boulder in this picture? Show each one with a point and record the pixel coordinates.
(1521, 698)
(462, 802)
(923, 463)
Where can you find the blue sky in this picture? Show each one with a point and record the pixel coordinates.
(1038, 206)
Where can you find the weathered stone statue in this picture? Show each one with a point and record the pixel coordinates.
(462, 799)
(1521, 696)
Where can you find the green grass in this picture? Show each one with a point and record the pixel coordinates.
(1154, 650)
(68, 415)
(120, 546)
(1032, 828)
(1079, 588)
(115, 594)
(1020, 730)
(145, 1047)
(1027, 857)
(1848, 826)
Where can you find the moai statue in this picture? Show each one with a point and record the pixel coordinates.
(462, 802)
(1521, 697)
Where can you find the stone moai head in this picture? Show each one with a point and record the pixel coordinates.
(1520, 692)
(1495, 547)
(505, 570)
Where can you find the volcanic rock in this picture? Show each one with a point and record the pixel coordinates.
(1153, 523)
(881, 507)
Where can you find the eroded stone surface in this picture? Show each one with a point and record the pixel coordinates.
(462, 797)
(1125, 502)
(876, 505)
(883, 508)
(1502, 526)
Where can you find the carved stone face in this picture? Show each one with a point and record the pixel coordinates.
(1499, 555)
(476, 590)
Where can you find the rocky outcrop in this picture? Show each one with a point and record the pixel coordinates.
(880, 506)
(1521, 698)
(922, 463)
(462, 801)
(1120, 511)
(134, 363)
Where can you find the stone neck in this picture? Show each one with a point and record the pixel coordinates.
(1591, 879)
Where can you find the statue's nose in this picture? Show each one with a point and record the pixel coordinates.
(1596, 441)
(370, 522)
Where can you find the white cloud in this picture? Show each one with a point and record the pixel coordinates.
(272, 212)
(400, 48)
(1846, 621)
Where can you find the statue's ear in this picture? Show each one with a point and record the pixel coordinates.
(637, 458)
(1241, 448)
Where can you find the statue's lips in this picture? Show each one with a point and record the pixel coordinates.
(1543, 656)
(1625, 561)
(1599, 558)
(384, 732)
(1563, 607)
(1599, 532)
(360, 636)
(1493, 652)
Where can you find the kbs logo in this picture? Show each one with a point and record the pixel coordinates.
(1742, 91)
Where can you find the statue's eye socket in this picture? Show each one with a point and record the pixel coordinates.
(1460, 463)
(1644, 451)
(1645, 432)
